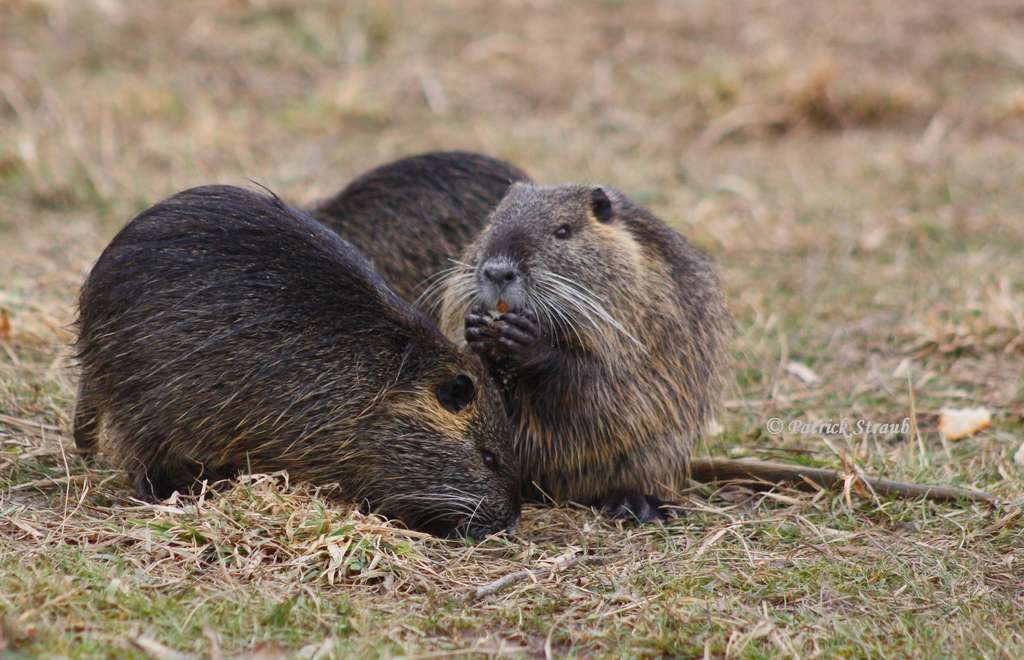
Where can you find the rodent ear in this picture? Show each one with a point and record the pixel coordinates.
(601, 206)
(456, 393)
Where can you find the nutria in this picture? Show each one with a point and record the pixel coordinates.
(222, 331)
(606, 329)
(411, 217)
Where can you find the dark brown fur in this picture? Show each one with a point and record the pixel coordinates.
(413, 216)
(611, 353)
(222, 331)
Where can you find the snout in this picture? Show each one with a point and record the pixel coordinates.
(483, 530)
(499, 517)
(500, 278)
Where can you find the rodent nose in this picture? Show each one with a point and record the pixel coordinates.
(500, 274)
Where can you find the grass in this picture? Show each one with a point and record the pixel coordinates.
(854, 169)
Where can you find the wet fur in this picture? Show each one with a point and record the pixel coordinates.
(603, 409)
(222, 331)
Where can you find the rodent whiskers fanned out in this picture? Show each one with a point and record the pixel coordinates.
(611, 351)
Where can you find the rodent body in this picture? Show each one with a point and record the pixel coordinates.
(413, 216)
(222, 331)
(608, 341)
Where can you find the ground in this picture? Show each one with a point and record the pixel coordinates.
(854, 168)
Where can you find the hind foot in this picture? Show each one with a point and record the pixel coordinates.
(637, 508)
(155, 485)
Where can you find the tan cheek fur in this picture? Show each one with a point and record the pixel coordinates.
(425, 406)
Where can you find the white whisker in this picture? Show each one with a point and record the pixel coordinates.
(585, 301)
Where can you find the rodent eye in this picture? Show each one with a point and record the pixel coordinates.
(490, 460)
(563, 231)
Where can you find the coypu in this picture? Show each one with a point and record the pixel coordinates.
(223, 331)
(411, 217)
(608, 342)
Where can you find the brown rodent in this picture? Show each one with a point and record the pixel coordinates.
(222, 331)
(413, 216)
(608, 340)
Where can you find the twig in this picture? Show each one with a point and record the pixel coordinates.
(155, 649)
(726, 469)
(28, 424)
(55, 482)
(512, 578)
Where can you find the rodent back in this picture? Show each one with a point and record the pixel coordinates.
(221, 324)
(413, 215)
(223, 292)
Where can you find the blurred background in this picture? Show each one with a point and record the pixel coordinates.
(854, 167)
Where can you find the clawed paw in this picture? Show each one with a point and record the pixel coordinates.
(481, 333)
(516, 336)
(632, 507)
(518, 332)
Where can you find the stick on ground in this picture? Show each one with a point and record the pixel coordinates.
(727, 469)
(512, 578)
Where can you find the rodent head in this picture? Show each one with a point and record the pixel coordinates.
(563, 252)
(446, 466)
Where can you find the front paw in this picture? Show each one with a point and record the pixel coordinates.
(481, 333)
(519, 334)
(521, 342)
(514, 339)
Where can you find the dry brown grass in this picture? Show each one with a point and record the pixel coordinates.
(854, 167)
